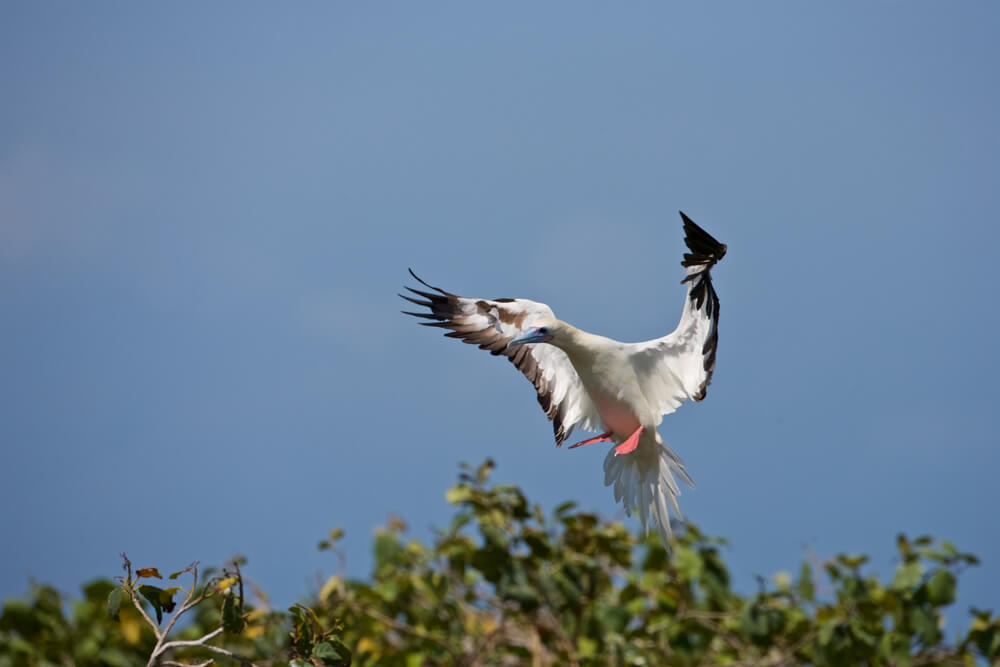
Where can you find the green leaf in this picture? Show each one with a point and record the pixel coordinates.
(587, 647)
(115, 601)
(332, 652)
(387, 549)
(941, 588)
(908, 575)
(494, 536)
(861, 633)
(491, 561)
(526, 596)
(324, 650)
(828, 630)
(148, 573)
(564, 508)
(232, 616)
(152, 594)
(925, 624)
(302, 629)
(760, 621)
(852, 562)
(416, 659)
(538, 544)
(688, 563)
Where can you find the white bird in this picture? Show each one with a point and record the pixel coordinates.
(586, 380)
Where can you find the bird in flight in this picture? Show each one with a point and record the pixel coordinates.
(622, 390)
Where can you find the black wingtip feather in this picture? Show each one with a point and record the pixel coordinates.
(445, 308)
(705, 249)
(705, 252)
(426, 316)
(425, 284)
(426, 304)
(426, 295)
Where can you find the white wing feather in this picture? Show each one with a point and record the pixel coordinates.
(679, 366)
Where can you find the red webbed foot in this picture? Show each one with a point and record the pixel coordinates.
(629, 445)
(601, 438)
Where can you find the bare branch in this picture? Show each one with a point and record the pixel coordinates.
(230, 654)
(138, 605)
(181, 643)
(201, 642)
(129, 585)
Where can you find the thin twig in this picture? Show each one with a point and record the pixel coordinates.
(189, 602)
(202, 643)
(193, 569)
(129, 585)
(229, 654)
(181, 643)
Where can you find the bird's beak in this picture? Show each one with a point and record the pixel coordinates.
(532, 335)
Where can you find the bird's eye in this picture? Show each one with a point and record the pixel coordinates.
(543, 330)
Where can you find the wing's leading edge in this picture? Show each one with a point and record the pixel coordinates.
(492, 324)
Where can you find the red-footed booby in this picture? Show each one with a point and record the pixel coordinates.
(586, 380)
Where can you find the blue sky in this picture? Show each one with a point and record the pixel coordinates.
(206, 213)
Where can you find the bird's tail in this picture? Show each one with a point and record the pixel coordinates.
(644, 483)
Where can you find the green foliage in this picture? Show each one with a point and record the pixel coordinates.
(311, 643)
(507, 583)
(38, 631)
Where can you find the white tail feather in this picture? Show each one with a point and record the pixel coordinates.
(643, 481)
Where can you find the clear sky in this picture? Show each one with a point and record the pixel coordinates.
(206, 211)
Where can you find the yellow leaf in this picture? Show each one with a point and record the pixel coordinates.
(131, 625)
(225, 584)
(458, 494)
(148, 573)
(333, 585)
(366, 645)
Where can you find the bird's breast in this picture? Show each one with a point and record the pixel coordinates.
(618, 416)
(612, 385)
(617, 401)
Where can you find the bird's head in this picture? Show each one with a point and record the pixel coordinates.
(544, 332)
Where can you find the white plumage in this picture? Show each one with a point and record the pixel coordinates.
(597, 383)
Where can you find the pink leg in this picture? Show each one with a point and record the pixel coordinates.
(629, 445)
(601, 438)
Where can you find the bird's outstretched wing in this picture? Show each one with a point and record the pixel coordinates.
(492, 324)
(679, 366)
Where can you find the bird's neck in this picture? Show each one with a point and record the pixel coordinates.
(576, 342)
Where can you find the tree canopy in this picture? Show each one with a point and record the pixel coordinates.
(508, 584)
